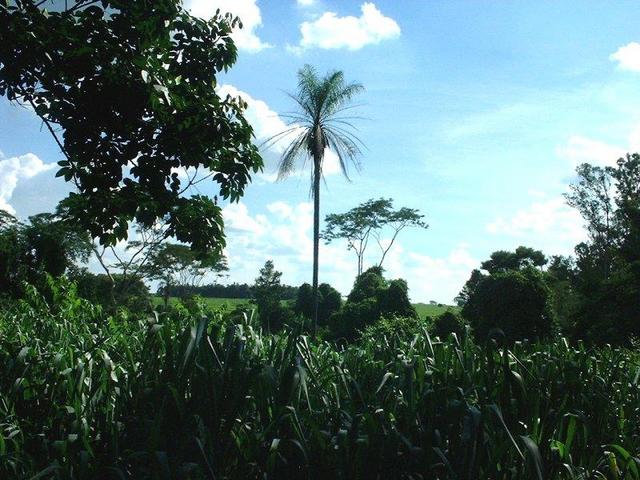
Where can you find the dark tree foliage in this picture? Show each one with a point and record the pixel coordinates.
(469, 287)
(518, 302)
(329, 302)
(128, 292)
(267, 292)
(606, 280)
(561, 276)
(45, 245)
(232, 290)
(501, 260)
(128, 90)
(371, 299)
(447, 323)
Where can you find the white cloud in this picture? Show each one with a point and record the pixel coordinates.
(627, 57)
(579, 149)
(305, 3)
(248, 12)
(549, 224)
(586, 150)
(13, 170)
(329, 31)
(266, 123)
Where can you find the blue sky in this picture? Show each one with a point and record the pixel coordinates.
(476, 113)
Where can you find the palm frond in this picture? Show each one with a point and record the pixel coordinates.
(320, 106)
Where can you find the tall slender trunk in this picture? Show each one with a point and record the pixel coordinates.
(317, 165)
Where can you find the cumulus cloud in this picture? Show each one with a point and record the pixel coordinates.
(330, 31)
(627, 57)
(283, 233)
(266, 123)
(581, 149)
(14, 170)
(248, 11)
(548, 224)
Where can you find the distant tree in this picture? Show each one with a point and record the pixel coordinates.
(371, 299)
(46, 244)
(373, 218)
(266, 295)
(518, 302)
(319, 124)
(178, 265)
(115, 292)
(447, 323)
(330, 302)
(128, 92)
(607, 274)
(501, 260)
(593, 196)
(469, 287)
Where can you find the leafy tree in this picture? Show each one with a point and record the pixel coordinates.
(371, 299)
(593, 196)
(501, 260)
(129, 94)
(469, 287)
(45, 245)
(266, 295)
(330, 302)
(319, 124)
(114, 292)
(518, 302)
(175, 264)
(447, 323)
(373, 218)
(606, 276)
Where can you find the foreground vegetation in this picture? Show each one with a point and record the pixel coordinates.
(193, 395)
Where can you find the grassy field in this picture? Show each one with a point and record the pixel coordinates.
(423, 309)
(428, 310)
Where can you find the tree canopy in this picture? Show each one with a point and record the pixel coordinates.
(129, 94)
(371, 219)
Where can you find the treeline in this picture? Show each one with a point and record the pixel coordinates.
(216, 290)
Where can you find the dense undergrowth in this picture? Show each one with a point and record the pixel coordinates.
(84, 395)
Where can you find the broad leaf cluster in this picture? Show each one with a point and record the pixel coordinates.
(129, 93)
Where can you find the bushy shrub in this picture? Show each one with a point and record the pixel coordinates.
(371, 298)
(367, 285)
(394, 300)
(353, 317)
(130, 293)
(517, 302)
(612, 313)
(329, 302)
(391, 327)
(447, 323)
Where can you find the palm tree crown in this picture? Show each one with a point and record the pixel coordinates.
(319, 123)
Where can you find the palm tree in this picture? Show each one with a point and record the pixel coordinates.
(319, 123)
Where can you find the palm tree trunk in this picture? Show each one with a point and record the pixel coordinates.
(317, 161)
